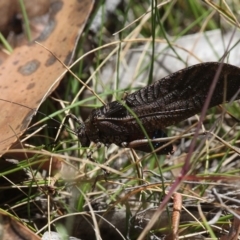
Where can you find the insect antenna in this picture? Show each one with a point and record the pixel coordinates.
(63, 125)
(31, 116)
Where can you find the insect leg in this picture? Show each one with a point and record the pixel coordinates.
(90, 152)
(77, 120)
(74, 118)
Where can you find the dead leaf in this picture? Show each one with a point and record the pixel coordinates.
(10, 10)
(11, 229)
(234, 230)
(26, 77)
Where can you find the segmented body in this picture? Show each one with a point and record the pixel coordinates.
(161, 104)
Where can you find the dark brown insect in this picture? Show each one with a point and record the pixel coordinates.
(161, 104)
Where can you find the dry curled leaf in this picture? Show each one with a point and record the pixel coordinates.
(31, 73)
(11, 229)
(11, 11)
